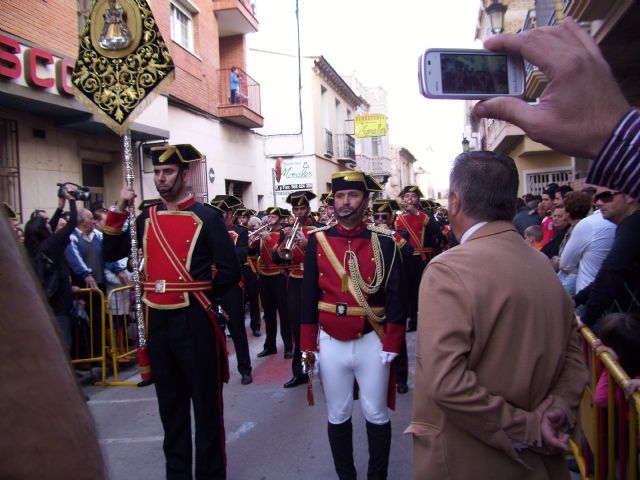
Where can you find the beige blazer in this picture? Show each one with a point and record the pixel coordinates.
(496, 336)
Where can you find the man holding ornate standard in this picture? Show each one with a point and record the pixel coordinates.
(353, 324)
(182, 239)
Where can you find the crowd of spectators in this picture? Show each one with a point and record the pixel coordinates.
(592, 240)
(66, 254)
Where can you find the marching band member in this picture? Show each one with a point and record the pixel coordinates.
(423, 235)
(250, 273)
(301, 209)
(181, 239)
(273, 286)
(353, 320)
(384, 216)
(232, 300)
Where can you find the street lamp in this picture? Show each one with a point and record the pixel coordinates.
(465, 144)
(495, 11)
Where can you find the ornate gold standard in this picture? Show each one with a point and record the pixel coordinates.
(122, 64)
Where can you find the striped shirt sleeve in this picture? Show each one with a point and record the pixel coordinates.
(618, 164)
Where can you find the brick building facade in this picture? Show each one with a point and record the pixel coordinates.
(47, 136)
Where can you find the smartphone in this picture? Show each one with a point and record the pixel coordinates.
(470, 74)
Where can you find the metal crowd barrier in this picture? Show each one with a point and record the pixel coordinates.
(609, 446)
(84, 350)
(121, 346)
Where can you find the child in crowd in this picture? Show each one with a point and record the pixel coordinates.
(533, 236)
(619, 336)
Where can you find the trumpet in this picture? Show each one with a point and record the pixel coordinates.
(252, 235)
(287, 252)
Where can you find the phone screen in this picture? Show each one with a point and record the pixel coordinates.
(473, 73)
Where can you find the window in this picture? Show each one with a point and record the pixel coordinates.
(10, 165)
(84, 9)
(181, 25)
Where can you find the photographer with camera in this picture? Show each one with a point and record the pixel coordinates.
(47, 253)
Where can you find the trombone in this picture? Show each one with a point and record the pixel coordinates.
(287, 252)
(252, 235)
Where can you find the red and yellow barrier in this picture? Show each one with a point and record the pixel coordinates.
(609, 447)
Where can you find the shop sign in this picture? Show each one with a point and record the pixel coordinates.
(372, 125)
(35, 67)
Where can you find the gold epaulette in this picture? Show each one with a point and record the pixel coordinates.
(320, 229)
(381, 230)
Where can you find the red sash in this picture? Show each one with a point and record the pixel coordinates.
(199, 295)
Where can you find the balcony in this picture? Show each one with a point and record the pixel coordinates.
(535, 80)
(502, 136)
(346, 149)
(241, 107)
(328, 143)
(588, 10)
(379, 166)
(235, 17)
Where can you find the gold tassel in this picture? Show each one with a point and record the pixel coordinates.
(345, 283)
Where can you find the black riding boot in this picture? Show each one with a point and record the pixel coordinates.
(379, 437)
(340, 439)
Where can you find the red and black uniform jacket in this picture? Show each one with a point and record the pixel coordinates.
(322, 287)
(265, 250)
(296, 265)
(198, 236)
(424, 233)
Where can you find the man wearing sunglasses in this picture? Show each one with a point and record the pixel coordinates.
(617, 283)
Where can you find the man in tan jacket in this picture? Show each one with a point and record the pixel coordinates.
(499, 374)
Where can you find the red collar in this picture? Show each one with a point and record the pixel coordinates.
(357, 230)
(190, 200)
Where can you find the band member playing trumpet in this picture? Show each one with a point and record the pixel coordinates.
(250, 271)
(423, 233)
(273, 285)
(353, 317)
(232, 301)
(291, 249)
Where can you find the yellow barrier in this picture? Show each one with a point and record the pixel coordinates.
(602, 443)
(93, 358)
(121, 348)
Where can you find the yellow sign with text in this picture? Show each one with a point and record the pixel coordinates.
(373, 125)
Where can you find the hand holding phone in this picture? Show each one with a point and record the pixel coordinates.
(470, 74)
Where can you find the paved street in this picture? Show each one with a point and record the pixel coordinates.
(271, 432)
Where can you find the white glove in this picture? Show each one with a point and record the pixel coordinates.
(387, 357)
(316, 365)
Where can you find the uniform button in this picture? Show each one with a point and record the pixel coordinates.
(321, 274)
(184, 260)
(180, 277)
(188, 241)
(359, 335)
(181, 297)
(373, 259)
(319, 254)
(369, 279)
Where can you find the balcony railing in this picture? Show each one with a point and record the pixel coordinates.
(346, 146)
(235, 17)
(240, 106)
(328, 143)
(535, 81)
(379, 166)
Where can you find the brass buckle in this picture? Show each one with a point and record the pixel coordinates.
(161, 286)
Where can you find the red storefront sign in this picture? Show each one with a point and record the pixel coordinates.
(12, 66)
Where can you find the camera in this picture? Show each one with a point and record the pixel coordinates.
(80, 193)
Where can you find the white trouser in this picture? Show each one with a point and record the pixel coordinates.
(340, 363)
